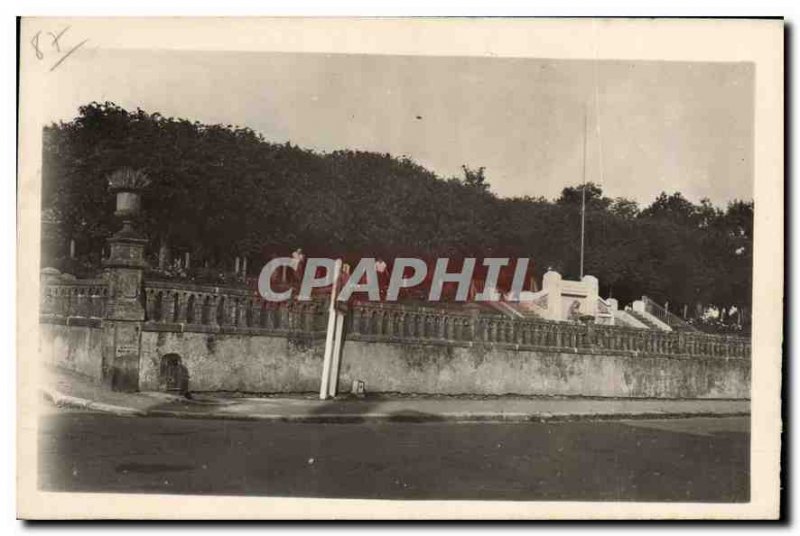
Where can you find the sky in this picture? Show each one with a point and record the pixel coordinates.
(647, 126)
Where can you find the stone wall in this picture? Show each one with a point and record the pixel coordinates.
(498, 370)
(74, 345)
(229, 340)
(280, 363)
(244, 363)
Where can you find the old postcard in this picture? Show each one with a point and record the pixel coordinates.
(400, 268)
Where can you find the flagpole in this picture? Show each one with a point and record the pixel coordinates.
(583, 190)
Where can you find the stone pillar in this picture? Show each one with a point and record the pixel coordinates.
(593, 287)
(551, 283)
(613, 306)
(125, 306)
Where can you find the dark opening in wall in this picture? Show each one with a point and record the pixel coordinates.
(173, 375)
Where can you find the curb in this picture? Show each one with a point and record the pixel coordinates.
(438, 417)
(62, 400)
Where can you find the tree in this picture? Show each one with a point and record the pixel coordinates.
(476, 178)
(221, 191)
(671, 207)
(624, 208)
(573, 196)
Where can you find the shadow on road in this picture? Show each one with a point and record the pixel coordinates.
(351, 409)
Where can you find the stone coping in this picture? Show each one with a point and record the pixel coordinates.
(71, 321)
(174, 327)
(572, 350)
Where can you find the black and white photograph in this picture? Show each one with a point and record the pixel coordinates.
(543, 270)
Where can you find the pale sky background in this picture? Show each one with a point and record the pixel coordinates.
(661, 126)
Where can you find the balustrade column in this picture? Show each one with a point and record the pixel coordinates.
(197, 309)
(241, 312)
(150, 304)
(308, 313)
(98, 299)
(170, 307)
(182, 307)
(355, 322)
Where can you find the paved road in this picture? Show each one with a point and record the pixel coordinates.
(698, 459)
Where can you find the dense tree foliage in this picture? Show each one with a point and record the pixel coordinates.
(223, 191)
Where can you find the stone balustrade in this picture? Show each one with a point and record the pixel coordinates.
(399, 322)
(74, 299)
(172, 306)
(189, 307)
(389, 322)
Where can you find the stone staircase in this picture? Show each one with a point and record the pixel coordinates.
(512, 310)
(625, 319)
(644, 319)
(671, 319)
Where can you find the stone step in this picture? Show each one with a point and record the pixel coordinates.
(643, 319)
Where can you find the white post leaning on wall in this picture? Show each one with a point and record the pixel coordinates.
(330, 336)
(337, 353)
